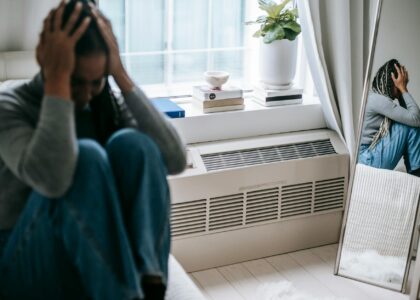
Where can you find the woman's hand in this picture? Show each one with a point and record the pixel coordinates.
(115, 65)
(402, 80)
(55, 52)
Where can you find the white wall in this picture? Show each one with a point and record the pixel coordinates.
(21, 22)
(398, 37)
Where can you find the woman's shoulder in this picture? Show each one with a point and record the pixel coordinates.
(375, 99)
(15, 94)
(376, 96)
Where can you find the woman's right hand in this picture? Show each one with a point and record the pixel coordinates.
(402, 80)
(55, 52)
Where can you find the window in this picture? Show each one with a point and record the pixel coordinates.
(167, 43)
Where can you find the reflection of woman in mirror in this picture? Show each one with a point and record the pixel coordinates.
(390, 129)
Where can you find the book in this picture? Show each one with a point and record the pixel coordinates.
(277, 101)
(269, 97)
(219, 103)
(204, 92)
(223, 108)
(168, 107)
(199, 105)
(267, 93)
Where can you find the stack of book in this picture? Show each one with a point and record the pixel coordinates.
(269, 97)
(226, 99)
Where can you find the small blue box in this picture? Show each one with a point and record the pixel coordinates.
(168, 107)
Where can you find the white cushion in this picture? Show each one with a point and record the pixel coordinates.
(180, 286)
(17, 65)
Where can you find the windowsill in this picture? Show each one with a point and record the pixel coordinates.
(192, 110)
(183, 90)
(254, 120)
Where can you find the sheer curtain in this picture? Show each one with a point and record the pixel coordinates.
(336, 37)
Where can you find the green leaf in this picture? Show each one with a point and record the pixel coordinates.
(268, 6)
(276, 34)
(261, 19)
(294, 12)
(290, 34)
(280, 7)
(293, 26)
(250, 22)
(257, 34)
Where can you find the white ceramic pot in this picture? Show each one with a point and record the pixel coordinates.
(278, 63)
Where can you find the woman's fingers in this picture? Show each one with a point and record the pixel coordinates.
(58, 16)
(81, 29)
(47, 23)
(73, 18)
(393, 78)
(98, 14)
(398, 70)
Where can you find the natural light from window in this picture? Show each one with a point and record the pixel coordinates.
(168, 44)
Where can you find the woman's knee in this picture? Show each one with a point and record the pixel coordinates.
(90, 152)
(126, 141)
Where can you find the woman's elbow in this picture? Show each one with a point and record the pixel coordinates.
(50, 182)
(177, 164)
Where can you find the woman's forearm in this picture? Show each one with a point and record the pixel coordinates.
(154, 124)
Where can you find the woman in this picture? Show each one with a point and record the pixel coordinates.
(84, 201)
(390, 130)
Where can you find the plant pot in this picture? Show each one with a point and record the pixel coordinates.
(278, 63)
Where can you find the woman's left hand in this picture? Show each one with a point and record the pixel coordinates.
(115, 65)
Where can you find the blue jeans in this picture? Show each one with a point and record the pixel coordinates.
(99, 240)
(401, 141)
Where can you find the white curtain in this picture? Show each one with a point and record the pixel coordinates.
(334, 33)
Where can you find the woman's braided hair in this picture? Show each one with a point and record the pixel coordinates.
(384, 85)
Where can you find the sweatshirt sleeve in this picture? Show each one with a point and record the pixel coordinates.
(44, 157)
(156, 125)
(409, 116)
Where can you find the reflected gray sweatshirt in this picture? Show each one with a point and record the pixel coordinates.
(38, 143)
(378, 107)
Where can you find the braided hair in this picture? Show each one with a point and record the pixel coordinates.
(105, 107)
(384, 85)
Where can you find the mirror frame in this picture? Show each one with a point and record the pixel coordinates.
(366, 85)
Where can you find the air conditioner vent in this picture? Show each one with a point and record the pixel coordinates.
(329, 194)
(296, 200)
(258, 156)
(236, 211)
(262, 205)
(189, 217)
(226, 212)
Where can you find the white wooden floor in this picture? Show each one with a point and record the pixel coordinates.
(310, 271)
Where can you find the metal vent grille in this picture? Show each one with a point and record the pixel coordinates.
(329, 194)
(257, 156)
(226, 211)
(189, 217)
(262, 205)
(236, 211)
(296, 199)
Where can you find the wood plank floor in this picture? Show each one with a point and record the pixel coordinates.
(310, 271)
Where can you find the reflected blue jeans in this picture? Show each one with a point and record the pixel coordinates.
(99, 240)
(401, 141)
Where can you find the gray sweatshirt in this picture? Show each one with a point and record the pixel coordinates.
(38, 143)
(378, 107)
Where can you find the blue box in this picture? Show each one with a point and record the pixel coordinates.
(168, 107)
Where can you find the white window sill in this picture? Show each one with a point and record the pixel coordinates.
(254, 120)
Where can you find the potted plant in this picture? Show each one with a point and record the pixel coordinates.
(278, 44)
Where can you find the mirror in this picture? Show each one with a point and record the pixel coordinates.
(382, 207)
